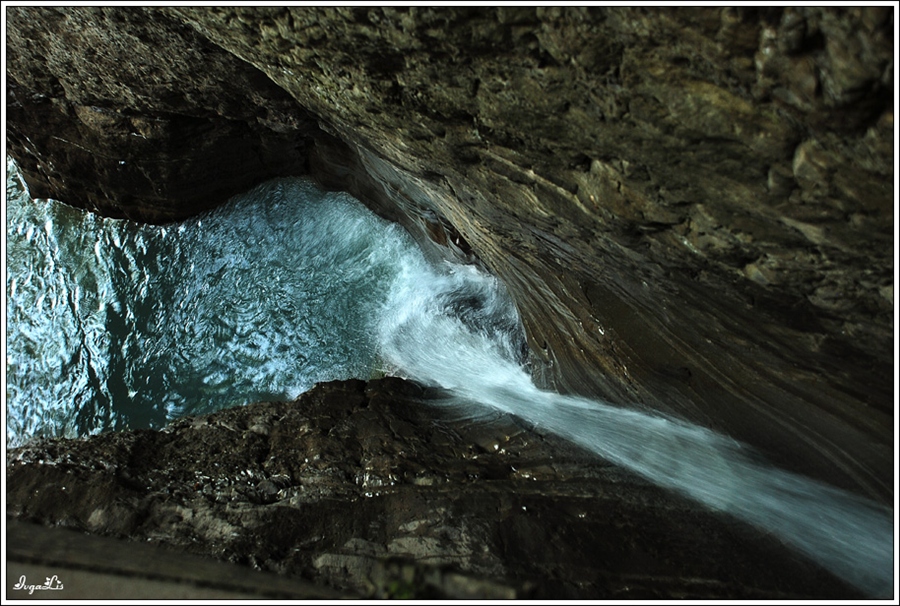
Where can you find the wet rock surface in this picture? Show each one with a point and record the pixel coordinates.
(374, 488)
(692, 208)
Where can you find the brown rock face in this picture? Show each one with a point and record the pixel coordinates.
(367, 488)
(692, 208)
(91, 104)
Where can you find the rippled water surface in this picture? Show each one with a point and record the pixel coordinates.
(113, 324)
(117, 325)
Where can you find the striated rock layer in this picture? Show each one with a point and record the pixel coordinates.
(692, 208)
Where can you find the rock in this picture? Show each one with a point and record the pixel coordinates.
(706, 189)
(174, 141)
(534, 518)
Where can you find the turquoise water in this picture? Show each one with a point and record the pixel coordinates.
(114, 325)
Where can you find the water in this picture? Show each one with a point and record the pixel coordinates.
(848, 535)
(114, 325)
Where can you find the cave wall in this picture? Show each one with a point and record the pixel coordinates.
(692, 208)
(101, 116)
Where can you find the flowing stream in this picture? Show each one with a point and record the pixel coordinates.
(113, 325)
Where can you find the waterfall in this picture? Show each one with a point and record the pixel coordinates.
(114, 325)
(474, 358)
